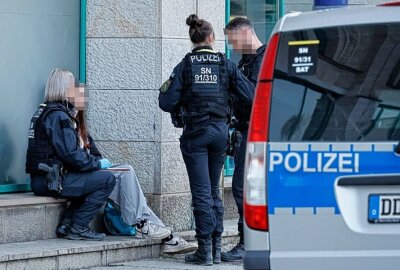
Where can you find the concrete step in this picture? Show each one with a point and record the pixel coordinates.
(25, 217)
(67, 254)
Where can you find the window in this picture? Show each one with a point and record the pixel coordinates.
(354, 94)
(264, 14)
(32, 46)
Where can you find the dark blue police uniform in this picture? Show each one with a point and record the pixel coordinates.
(202, 85)
(53, 139)
(250, 65)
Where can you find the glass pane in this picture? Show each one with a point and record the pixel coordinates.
(4, 188)
(353, 93)
(238, 8)
(263, 14)
(39, 36)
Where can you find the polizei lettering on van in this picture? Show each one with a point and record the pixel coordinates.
(314, 162)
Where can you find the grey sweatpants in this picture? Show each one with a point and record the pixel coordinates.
(129, 196)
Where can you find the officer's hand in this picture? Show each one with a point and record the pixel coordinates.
(105, 163)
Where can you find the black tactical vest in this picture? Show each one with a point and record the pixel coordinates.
(206, 85)
(40, 149)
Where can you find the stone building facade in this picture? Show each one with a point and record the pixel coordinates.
(132, 47)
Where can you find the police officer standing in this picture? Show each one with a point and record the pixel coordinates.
(200, 87)
(240, 33)
(59, 167)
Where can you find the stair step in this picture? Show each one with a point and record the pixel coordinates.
(23, 199)
(67, 254)
(25, 217)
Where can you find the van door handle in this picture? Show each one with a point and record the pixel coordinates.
(373, 180)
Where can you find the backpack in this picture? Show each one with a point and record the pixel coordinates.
(113, 221)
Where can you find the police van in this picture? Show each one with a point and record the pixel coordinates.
(322, 180)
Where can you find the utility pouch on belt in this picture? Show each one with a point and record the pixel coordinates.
(234, 143)
(53, 177)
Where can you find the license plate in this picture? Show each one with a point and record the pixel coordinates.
(384, 208)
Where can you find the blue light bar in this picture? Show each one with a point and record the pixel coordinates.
(323, 4)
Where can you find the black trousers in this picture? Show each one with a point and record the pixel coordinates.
(204, 156)
(238, 178)
(87, 191)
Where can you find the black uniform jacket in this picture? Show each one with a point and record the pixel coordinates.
(240, 87)
(65, 141)
(250, 65)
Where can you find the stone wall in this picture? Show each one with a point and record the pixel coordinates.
(132, 47)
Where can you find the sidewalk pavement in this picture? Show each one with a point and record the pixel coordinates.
(168, 264)
(176, 262)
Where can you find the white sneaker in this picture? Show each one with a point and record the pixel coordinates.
(154, 231)
(178, 245)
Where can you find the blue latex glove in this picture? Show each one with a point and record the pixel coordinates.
(105, 163)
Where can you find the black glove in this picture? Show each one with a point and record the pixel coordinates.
(177, 117)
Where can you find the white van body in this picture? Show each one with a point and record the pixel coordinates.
(326, 171)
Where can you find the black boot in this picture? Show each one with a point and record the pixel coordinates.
(203, 255)
(216, 250)
(236, 253)
(63, 228)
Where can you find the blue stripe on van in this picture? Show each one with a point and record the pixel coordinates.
(305, 178)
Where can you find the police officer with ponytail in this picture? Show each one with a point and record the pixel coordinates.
(199, 91)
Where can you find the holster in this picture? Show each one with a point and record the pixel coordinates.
(53, 178)
(234, 143)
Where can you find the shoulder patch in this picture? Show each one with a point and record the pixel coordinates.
(165, 86)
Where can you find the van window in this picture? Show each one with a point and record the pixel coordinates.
(337, 84)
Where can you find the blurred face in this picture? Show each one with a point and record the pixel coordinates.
(241, 40)
(77, 95)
